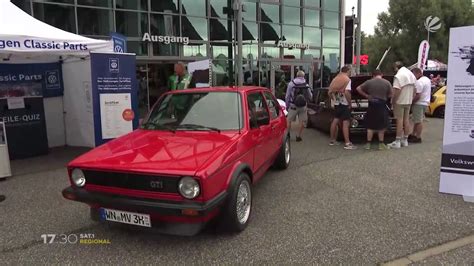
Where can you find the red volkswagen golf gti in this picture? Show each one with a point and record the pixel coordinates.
(193, 159)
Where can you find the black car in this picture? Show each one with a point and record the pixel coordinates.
(321, 114)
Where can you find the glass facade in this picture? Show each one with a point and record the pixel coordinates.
(206, 30)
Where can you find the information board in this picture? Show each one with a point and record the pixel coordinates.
(457, 166)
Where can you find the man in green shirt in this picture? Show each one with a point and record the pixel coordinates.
(180, 80)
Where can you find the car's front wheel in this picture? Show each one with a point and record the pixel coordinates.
(235, 215)
(283, 159)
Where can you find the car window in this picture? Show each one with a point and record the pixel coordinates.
(179, 111)
(257, 109)
(273, 105)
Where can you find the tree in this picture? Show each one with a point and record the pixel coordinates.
(402, 29)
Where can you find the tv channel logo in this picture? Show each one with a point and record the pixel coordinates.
(52, 79)
(114, 65)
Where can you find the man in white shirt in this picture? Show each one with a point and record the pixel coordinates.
(404, 92)
(420, 104)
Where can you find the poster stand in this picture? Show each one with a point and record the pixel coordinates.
(5, 169)
(457, 163)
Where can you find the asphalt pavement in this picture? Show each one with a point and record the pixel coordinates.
(331, 206)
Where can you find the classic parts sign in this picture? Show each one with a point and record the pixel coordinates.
(457, 167)
(32, 44)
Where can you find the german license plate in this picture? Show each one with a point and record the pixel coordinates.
(125, 217)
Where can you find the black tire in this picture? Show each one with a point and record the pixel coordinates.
(281, 161)
(439, 112)
(229, 218)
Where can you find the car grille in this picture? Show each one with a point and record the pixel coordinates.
(150, 183)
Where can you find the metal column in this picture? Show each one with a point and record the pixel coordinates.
(238, 10)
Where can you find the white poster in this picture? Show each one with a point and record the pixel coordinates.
(16, 103)
(457, 167)
(116, 114)
(201, 73)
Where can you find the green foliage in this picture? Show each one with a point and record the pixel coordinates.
(402, 29)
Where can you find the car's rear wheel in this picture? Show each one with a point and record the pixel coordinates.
(439, 112)
(283, 159)
(235, 215)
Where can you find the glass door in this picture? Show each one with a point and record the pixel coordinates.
(282, 73)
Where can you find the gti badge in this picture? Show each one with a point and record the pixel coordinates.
(156, 184)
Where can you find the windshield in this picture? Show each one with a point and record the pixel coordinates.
(211, 111)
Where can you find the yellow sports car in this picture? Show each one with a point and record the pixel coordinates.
(438, 102)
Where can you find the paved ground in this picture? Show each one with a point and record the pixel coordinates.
(331, 207)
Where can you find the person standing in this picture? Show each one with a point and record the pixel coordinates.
(180, 80)
(280, 91)
(298, 94)
(340, 93)
(420, 104)
(377, 90)
(404, 91)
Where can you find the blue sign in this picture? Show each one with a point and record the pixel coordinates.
(28, 80)
(120, 43)
(114, 92)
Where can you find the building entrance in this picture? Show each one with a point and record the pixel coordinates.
(152, 83)
(282, 72)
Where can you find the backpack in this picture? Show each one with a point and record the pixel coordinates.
(299, 94)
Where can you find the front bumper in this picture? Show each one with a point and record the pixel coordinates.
(165, 215)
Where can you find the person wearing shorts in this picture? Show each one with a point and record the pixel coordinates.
(377, 90)
(342, 108)
(293, 110)
(420, 104)
(404, 91)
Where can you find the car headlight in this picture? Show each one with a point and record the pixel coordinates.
(188, 187)
(78, 177)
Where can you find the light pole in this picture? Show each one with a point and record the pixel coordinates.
(359, 35)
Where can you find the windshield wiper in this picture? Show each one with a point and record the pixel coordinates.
(194, 126)
(157, 126)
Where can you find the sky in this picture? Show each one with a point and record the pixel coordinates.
(370, 10)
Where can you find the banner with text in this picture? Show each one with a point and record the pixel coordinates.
(25, 126)
(26, 80)
(115, 95)
(423, 51)
(457, 166)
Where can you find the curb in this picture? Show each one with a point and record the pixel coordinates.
(424, 254)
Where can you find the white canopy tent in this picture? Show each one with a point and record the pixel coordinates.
(24, 39)
(24, 36)
(433, 65)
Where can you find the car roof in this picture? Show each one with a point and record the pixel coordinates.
(221, 89)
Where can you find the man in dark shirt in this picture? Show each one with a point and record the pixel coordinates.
(377, 90)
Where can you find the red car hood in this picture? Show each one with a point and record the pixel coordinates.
(153, 151)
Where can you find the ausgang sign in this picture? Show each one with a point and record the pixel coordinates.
(293, 45)
(165, 39)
